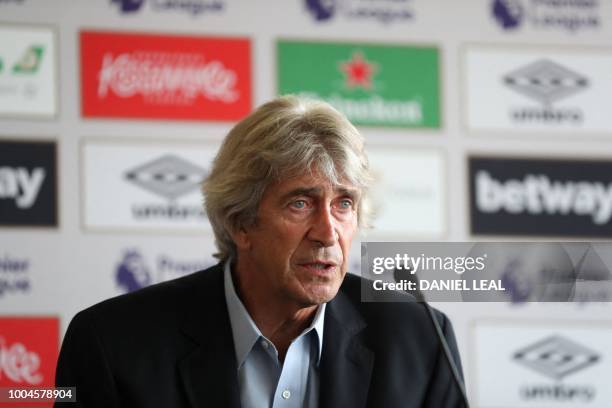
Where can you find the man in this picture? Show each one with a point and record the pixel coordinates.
(278, 322)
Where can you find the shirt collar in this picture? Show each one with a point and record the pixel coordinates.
(317, 325)
(245, 331)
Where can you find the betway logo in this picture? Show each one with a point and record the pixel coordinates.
(537, 194)
(21, 185)
(150, 74)
(18, 364)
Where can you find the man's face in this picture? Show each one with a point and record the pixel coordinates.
(297, 251)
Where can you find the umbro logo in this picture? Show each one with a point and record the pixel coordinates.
(556, 357)
(168, 176)
(546, 81)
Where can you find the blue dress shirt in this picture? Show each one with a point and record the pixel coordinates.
(263, 380)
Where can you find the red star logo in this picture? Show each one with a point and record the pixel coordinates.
(358, 71)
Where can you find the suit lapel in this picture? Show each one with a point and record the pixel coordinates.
(346, 363)
(209, 372)
(209, 377)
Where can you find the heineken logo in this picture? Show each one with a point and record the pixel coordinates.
(373, 85)
(358, 71)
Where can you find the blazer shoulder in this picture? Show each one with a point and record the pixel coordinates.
(159, 302)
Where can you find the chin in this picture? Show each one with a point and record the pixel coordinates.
(320, 294)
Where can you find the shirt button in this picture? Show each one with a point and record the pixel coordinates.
(265, 344)
(286, 394)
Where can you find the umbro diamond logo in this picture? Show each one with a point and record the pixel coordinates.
(556, 357)
(546, 81)
(168, 176)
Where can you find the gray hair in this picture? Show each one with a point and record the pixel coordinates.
(281, 139)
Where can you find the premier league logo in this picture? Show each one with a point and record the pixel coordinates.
(132, 272)
(508, 13)
(129, 6)
(321, 9)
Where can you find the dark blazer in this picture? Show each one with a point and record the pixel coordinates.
(170, 345)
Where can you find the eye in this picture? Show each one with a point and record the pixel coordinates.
(345, 204)
(299, 204)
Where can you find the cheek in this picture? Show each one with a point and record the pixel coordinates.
(349, 234)
(283, 241)
(348, 231)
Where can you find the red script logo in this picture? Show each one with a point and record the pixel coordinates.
(165, 77)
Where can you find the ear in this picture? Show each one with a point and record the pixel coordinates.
(242, 239)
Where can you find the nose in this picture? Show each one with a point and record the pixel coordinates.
(323, 228)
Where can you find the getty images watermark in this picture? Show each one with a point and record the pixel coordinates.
(514, 272)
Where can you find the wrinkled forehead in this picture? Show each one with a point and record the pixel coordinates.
(314, 183)
(325, 170)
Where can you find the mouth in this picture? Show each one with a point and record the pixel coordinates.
(319, 267)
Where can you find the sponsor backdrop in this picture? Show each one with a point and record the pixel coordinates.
(484, 119)
(29, 348)
(563, 363)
